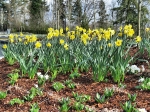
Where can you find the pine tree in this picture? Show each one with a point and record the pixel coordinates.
(127, 13)
(62, 16)
(77, 12)
(102, 14)
(37, 11)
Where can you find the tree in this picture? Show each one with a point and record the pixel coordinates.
(84, 12)
(127, 13)
(62, 15)
(13, 11)
(77, 12)
(37, 10)
(102, 14)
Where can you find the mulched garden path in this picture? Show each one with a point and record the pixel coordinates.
(49, 101)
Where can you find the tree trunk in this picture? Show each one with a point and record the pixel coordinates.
(139, 16)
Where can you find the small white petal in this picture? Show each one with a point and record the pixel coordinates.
(39, 73)
(41, 76)
(36, 85)
(46, 77)
(141, 80)
(128, 65)
(142, 110)
(138, 69)
(143, 69)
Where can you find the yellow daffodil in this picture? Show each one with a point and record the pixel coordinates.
(25, 42)
(112, 32)
(107, 35)
(61, 32)
(27, 37)
(118, 42)
(66, 46)
(68, 34)
(61, 41)
(50, 35)
(125, 31)
(84, 36)
(50, 29)
(120, 28)
(125, 27)
(72, 37)
(84, 41)
(38, 44)
(84, 30)
(128, 30)
(99, 37)
(129, 26)
(80, 29)
(56, 33)
(109, 44)
(16, 36)
(48, 44)
(20, 39)
(147, 29)
(120, 34)
(67, 28)
(4, 46)
(101, 47)
(89, 31)
(77, 32)
(101, 30)
(77, 27)
(11, 36)
(73, 32)
(21, 34)
(130, 33)
(11, 40)
(33, 38)
(138, 39)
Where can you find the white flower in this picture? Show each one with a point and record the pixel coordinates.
(36, 86)
(46, 77)
(143, 69)
(141, 79)
(75, 60)
(142, 110)
(39, 73)
(41, 76)
(134, 69)
(128, 65)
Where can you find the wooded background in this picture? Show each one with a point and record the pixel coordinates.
(37, 16)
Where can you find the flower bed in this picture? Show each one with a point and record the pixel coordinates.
(95, 69)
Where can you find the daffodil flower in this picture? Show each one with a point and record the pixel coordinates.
(118, 42)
